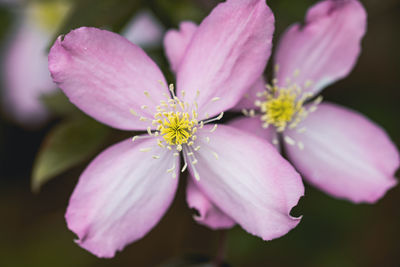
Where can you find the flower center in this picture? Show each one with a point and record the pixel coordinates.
(175, 127)
(283, 107)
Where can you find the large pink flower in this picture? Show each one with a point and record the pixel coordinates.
(236, 176)
(336, 149)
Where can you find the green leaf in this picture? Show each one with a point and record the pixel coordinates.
(67, 145)
(57, 103)
(110, 14)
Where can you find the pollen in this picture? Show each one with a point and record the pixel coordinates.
(177, 128)
(283, 107)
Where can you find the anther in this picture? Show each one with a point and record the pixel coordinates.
(214, 128)
(134, 113)
(215, 155)
(289, 140)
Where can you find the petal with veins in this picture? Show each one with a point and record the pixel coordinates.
(176, 43)
(253, 125)
(121, 196)
(250, 181)
(106, 76)
(227, 54)
(209, 214)
(249, 99)
(326, 48)
(345, 154)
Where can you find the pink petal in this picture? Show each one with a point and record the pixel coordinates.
(345, 154)
(144, 30)
(121, 196)
(249, 181)
(177, 41)
(326, 48)
(26, 75)
(209, 214)
(253, 125)
(106, 76)
(227, 54)
(247, 101)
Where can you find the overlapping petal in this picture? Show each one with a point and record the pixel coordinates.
(249, 99)
(227, 54)
(345, 154)
(209, 214)
(176, 43)
(253, 125)
(106, 76)
(248, 180)
(326, 48)
(121, 195)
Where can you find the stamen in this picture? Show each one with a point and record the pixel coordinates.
(214, 119)
(215, 99)
(155, 157)
(283, 107)
(149, 131)
(215, 155)
(289, 140)
(134, 113)
(301, 130)
(300, 145)
(214, 128)
(147, 149)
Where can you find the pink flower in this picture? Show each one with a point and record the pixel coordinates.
(25, 56)
(125, 191)
(336, 149)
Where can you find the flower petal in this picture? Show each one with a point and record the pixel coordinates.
(248, 180)
(253, 125)
(121, 196)
(209, 214)
(326, 48)
(106, 76)
(248, 100)
(345, 154)
(26, 75)
(227, 54)
(177, 41)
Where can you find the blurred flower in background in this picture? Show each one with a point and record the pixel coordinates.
(25, 74)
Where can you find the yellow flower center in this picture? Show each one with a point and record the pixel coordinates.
(175, 127)
(284, 106)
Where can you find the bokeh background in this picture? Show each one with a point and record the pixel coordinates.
(333, 232)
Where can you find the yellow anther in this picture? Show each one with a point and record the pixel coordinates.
(284, 106)
(176, 127)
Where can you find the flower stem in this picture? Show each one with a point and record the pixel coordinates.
(221, 250)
